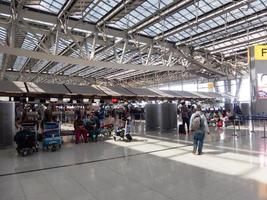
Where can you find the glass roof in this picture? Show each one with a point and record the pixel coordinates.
(62, 44)
(97, 9)
(57, 67)
(1, 60)
(234, 30)
(73, 69)
(29, 43)
(141, 12)
(135, 18)
(2, 34)
(183, 16)
(243, 11)
(53, 6)
(39, 65)
(238, 41)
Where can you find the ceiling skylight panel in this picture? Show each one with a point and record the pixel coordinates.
(90, 71)
(149, 31)
(73, 69)
(2, 34)
(183, 16)
(227, 17)
(39, 65)
(214, 3)
(141, 12)
(29, 43)
(138, 15)
(62, 44)
(204, 26)
(48, 5)
(187, 14)
(57, 67)
(20, 61)
(194, 9)
(98, 9)
(258, 5)
(237, 13)
(133, 19)
(212, 23)
(182, 35)
(173, 21)
(162, 3)
(179, 17)
(172, 38)
(1, 60)
(96, 14)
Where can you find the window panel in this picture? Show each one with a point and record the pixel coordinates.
(97, 9)
(53, 6)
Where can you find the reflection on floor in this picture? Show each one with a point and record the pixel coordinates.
(156, 165)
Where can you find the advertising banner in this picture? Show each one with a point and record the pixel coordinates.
(262, 86)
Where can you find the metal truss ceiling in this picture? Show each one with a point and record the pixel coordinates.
(128, 42)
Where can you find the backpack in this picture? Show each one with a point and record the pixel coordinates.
(196, 122)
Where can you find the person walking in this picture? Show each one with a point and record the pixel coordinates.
(185, 116)
(198, 127)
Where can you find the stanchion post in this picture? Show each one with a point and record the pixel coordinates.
(239, 123)
(264, 129)
(234, 134)
(252, 124)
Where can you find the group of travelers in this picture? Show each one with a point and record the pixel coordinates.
(87, 125)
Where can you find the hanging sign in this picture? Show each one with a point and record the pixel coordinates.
(210, 85)
(260, 52)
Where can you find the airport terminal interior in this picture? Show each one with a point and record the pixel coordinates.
(133, 99)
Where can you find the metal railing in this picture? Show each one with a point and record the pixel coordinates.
(252, 119)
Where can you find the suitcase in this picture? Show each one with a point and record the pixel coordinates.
(182, 129)
(128, 137)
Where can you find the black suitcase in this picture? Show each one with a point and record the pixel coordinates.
(128, 137)
(182, 129)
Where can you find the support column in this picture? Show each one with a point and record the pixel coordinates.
(258, 79)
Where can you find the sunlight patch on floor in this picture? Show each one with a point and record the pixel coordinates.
(222, 161)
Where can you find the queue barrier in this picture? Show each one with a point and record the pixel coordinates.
(251, 118)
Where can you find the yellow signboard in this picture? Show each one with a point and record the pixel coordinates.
(260, 52)
(210, 85)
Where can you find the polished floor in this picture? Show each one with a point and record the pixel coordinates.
(155, 166)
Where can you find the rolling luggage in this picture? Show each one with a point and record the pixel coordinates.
(128, 137)
(182, 129)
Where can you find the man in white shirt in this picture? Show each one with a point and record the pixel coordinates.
(198, 127)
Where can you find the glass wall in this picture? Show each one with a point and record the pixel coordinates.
(244, 92)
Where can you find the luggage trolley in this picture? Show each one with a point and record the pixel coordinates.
(26, 139)
(52, 136)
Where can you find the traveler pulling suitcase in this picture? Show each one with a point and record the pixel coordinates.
(182, 129)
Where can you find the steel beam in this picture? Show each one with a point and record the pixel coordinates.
(203, 18)
(79, 61)
(165, 12)
(201, 66)
(228, 25)
(235, 36)
(49, 18)
(47, 78)
(244, 44)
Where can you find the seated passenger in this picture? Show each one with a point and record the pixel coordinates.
(79, 130)
(92, 125)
